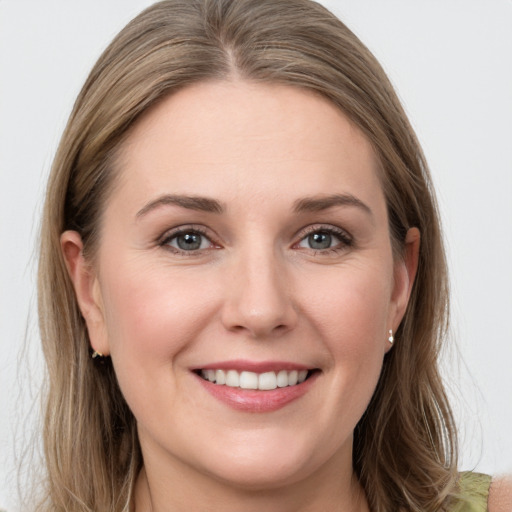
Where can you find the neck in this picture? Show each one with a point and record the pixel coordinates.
(183, 492)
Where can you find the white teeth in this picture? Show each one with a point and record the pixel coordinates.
(248, 380)
(282, 379)
(220, 377)
(251, 380)
(232, 379)
(267, 381)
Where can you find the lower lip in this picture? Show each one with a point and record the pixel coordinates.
(250, 400)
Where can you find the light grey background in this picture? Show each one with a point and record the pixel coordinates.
(451, 61)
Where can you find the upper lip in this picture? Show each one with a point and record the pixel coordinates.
(254, 366)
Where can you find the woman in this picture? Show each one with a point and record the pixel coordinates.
(238, 229)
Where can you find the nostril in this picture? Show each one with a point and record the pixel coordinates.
(258, 312)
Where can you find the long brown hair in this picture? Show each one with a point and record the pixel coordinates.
(404, 446)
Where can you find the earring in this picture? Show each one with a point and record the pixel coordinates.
(391, 339)
(97, 354)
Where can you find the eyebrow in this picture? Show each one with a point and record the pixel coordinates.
(320, 203)
(203, 204)
(206, 204)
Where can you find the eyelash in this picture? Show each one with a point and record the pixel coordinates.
(186, 230)
(344, 238)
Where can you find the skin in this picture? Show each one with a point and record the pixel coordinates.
(500, 494)
(256, 290)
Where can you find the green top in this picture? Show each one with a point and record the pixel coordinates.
(474, 492)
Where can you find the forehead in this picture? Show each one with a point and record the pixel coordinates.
(233, 138)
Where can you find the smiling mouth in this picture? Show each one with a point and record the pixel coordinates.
(256, 381)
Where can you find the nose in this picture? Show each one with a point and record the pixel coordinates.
(259, 297)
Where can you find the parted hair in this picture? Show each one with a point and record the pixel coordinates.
(404, 446)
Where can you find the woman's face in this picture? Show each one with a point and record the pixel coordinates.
(246, 239)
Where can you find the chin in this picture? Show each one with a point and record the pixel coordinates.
(268, 464)
(253, 476)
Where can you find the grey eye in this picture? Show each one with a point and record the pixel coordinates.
(319, 240)
(189, 241)
(323, 239)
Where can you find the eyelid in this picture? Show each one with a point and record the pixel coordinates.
(346, 239)
(330, 228)
(164, 239)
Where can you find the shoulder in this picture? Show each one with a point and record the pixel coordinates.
(472, 493)
(482, 493)
(500, 494)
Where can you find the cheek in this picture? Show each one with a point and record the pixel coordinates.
(153, 313)
(351, 317)
(352, 309)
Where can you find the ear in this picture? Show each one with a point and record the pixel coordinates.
(87, 290)
(404, 275)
